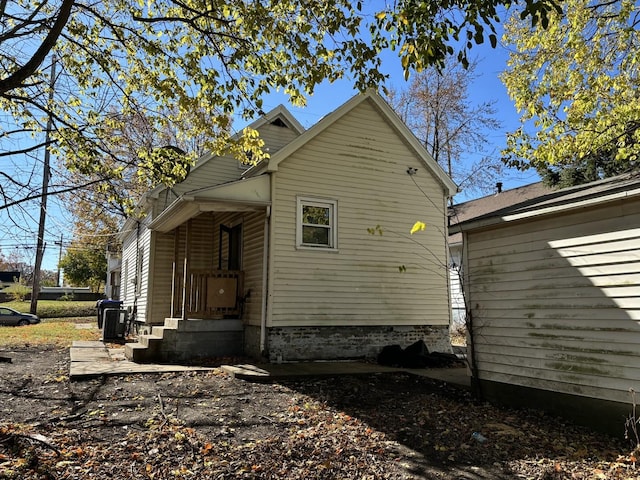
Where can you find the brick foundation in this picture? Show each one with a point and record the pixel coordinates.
(342, 343)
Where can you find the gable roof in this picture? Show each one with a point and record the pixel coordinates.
(271, 165)
(278, 114)
(556, 201)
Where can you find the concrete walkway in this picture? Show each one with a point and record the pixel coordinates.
(92, 359)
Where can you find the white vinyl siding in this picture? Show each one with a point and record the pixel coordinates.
(276, 137)
(214, 171)
(361, 163)
(211, 171)
(204, 255)
(162, 260)
(458, 308)
(136, 248)
(556, 301)
(252, 265)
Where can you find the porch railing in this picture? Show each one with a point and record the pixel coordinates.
(211, 293)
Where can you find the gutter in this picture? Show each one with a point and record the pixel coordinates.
(268, 280)
(510, 215)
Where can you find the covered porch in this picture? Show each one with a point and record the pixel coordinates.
(206, 273)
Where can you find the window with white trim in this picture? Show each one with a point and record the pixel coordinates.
(316, 223)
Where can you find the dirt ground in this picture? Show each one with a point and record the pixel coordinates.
(207, 425)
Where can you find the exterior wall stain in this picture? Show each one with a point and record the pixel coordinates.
(485, 271)
(576, 368)
(576, 358)
(555, 337)
(552, 326)
(365, 147)
(600, 351)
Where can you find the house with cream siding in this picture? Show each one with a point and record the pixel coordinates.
(553, 289)
(305, 256)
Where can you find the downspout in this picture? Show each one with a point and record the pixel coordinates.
(265, 279)
(264, 349)
(447, 249)
(472, 359)
(138, 272)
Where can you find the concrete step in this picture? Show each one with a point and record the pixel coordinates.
(182, 340)
(172, 322)
(135, 352)
(145, 350)
(147, 340)
(158, 330)
(200, 325)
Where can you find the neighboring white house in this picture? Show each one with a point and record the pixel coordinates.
(114, 265)
(553, 286)
(305, 256)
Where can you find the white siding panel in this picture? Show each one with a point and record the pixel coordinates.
(276, 137)
(362, 164)
(136, 250)
(204, 254)
(252, 265)
(556, 301)
(203, 240)
(217, 170)
(128, 266)
(162, 267)
(589, 382)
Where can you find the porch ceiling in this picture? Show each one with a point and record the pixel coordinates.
(247, 195)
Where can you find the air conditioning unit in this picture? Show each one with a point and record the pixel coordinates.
(114, 324)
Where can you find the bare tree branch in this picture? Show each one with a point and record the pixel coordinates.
(57, 192)
(17, 78)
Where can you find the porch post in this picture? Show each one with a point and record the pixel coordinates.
(186, 287)
(174, 270)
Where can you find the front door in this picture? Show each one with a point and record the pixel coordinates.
(230, 248)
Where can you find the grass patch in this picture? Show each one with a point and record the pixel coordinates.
(57, 333)
(57, 308)
(58, 326)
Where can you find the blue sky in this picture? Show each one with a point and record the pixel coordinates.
(487, 86)
(328, 97)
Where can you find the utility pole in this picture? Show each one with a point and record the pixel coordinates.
(46, 174)
(58, 278)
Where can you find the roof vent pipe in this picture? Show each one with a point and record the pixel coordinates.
(499, 187)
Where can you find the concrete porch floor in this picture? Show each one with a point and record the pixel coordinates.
(93, 359)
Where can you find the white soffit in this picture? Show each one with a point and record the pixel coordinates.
(244, 195)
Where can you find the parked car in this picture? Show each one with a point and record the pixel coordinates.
(9, 316)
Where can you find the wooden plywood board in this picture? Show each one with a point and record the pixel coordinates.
(222, 292)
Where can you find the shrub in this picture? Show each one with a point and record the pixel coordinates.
(58, 309)
(18, 291)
